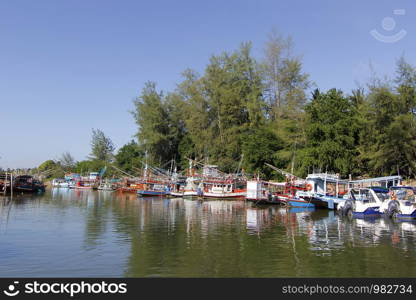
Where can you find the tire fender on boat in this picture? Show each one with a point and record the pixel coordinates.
(348, 206)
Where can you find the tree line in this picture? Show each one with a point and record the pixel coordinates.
(251, 111)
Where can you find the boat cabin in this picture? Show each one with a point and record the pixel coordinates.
(326, 184)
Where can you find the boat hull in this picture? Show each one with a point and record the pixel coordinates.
(191, 195)
(145, 193)
(299, 203)
(238, 195)
(176, 194)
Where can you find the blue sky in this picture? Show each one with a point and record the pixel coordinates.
(69, 66)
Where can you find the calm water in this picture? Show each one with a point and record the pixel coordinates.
(89, 233)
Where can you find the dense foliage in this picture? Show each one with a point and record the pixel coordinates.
(260, 109)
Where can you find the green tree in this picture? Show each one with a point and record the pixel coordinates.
(260, 146)
(67, 161)
(85, 166)
(388, 140)
(233, 87)
(101, 146)
(129, 157)
(47, 165)
(153, 121)
(197, 116)
(50, 169)
(285, 82)
(332, 133)
(285, 90)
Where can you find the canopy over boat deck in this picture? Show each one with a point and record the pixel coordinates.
(386, 181)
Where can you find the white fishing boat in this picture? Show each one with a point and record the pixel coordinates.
(364, 202)
(177, 185)
(60, 183)
(191, 189)
(324, 190)
(224, 189)
(106, 186)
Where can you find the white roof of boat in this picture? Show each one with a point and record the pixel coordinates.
(326, 176)
(377, 179)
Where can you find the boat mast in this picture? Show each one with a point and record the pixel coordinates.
(145, 166)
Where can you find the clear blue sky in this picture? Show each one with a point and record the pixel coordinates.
(69, 66)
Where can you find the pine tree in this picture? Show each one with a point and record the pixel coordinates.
(331, 130)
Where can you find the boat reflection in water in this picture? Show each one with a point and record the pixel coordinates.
(326, 231)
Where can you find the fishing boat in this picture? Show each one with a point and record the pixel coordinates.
(287, 192)
(324, 190)
(83, 185)
(193, 188)
(193, 184)
(60, 183)
(153, 185)
(130, 185)
(177, 187)
(27, 184)
(154, 188)
(177, 184)
(224, 189)
(106, 186)
(267, 192)
(258, 191)
(215, 184)
(363, 202)
(299, 202)
(79, 182)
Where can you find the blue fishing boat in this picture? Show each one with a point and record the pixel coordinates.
(299, 202)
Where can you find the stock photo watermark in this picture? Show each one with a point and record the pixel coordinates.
(66, 288)
(389, 25)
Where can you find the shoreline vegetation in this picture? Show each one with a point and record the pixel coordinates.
(251, 111)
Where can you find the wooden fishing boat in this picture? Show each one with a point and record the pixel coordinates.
(299, 202)
(130, 185)
(83, 185)
(224, 189)
(27, 184)
(154, 188)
